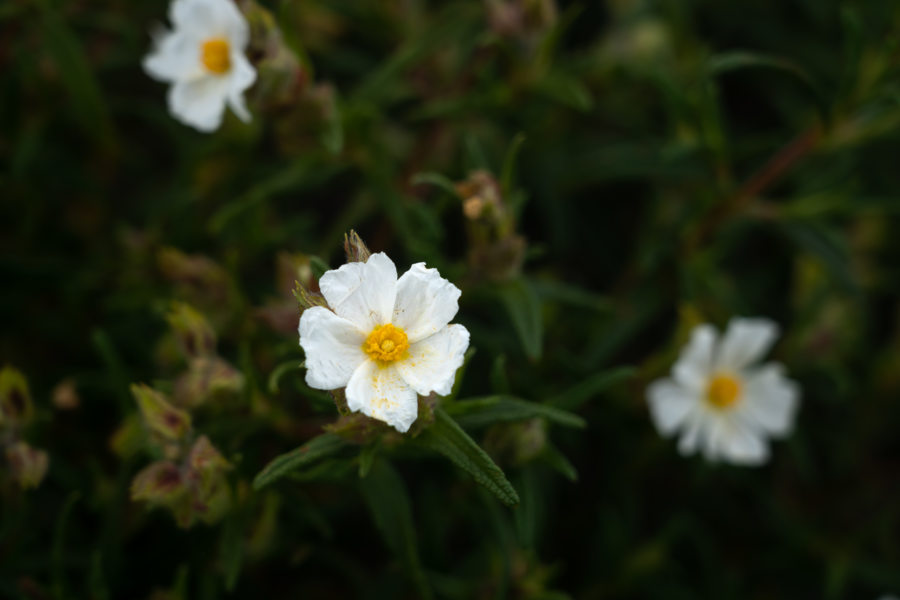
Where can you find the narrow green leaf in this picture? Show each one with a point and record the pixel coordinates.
(59, 543)
(446, 437)
(62, 47)
(741, 59)
(96, 579)
(481, 412)
(558, 461)
(435, 179)
(279, 371)
(507, 174)
(232, 550)
(385, 494)
(319, 267)
(312, 451)
(575, 396)
(524, 308)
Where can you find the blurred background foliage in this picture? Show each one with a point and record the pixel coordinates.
(597, 177)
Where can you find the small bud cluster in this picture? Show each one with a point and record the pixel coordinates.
(27, 465)
(190, 478)
(496, 251)
(190, 481)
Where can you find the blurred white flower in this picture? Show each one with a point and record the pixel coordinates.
(203, 58)
(385, 339)
(719, 400)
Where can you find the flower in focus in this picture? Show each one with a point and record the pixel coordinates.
(386, 339)
(720, 400)
(203, 58)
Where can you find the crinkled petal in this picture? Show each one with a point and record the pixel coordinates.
(240, 78)
(381, 393)
(333, 348)
(695, 362)
(433, 361)
(746, 341)
(670, 405)
(200, 102)
(769, 400)
(426, 302)
(362, 293)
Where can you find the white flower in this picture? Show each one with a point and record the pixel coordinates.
(720, 400)
(385, 339)
(203, 58)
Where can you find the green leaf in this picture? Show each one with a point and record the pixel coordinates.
(232, 550)
(279, 371)
(509, 163)
(741, 59)
(558, 461)
(481, 412)
(524, 308)
(385, 494)
(575, 396)
(310, 452)
(435, 179)
(62, 47)
(59, 536)
(446, 437)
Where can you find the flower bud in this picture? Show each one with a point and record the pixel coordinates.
(207, 378)
(194, 334)
(65, 395)
(204, 458)
(161, 417)
(28, 465)
(15, 400)
(355, 248)
(158, 483)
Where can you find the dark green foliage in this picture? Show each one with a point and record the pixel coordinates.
(597, 179)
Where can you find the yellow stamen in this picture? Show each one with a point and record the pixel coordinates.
(214, 53)
(386, 343)
(723, 391)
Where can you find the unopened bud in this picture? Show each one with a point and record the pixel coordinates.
(355, 248)
(15, 399)
(208, 377)
(28, 465)
(204, 457)
(158, 483)
(193, 332)
(65, 395)
(160, 416)
(306, 298)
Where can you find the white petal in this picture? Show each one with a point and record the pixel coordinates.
(769, 400)
(432, 362)
(173, 57)
(741, 445)
(670, 405)
(362, 293)
(240, 78)
(695, 362)
(426, 302)
(333, 348)
(693, 432)
(745, 342)
(204, 19)
(200, 102)
(381, 393)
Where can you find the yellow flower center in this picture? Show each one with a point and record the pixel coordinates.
(723, 391)
(214, 53)
(386, 343)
